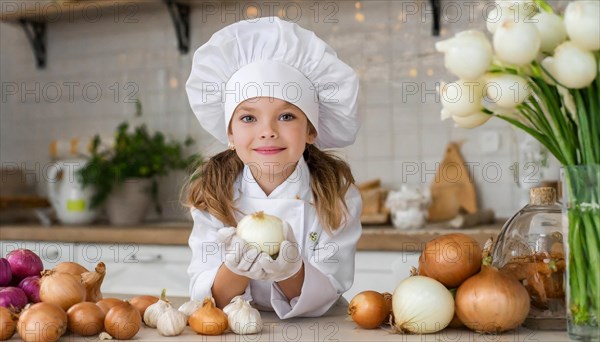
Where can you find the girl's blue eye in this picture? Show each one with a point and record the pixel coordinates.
(247, 118)
(287, 116)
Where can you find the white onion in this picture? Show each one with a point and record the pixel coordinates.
(462, 98)
(572, 66)
(582, 21)
(552, 30)
(517, 43)
(471, 46)
(471, 121)
(422, 305)
(507, 90)
(265, 231)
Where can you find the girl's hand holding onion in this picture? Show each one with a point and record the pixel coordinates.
(240, 256)
(287, 263)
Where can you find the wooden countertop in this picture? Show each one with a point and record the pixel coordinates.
(375, 238)
(333, 326)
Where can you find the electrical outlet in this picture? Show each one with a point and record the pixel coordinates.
(489, 141)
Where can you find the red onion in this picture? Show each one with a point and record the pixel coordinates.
(31, 287)
(12, 297)
(24, 263)
(5, 272)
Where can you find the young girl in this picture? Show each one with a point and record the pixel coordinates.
(273, 92)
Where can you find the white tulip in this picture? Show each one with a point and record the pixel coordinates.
(572, 66)
(552, 30)
(511, 10)
(582, 21)
(506, 90)
(462, 98)
(517, 43)
(468, 54)
(471, 121)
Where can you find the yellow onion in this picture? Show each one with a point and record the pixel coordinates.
(85, 319)
(42, 322)
(369, 309)
(450, 259)
(70, 267)
(208, 320)
(122, 321)
(491, 302)
(107, 303)
(141, 303)
(62, 289)
(7, 324)
(93, 281)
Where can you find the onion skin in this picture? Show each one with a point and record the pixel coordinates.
(70, 268)
(5, 272)
(8, 324)
(450, 259)
(31, 287)
(62, 289)
(368, 309)
(85, 319)
(107, 303)
(42, 322)
(492, 302)
(12, 297)
(92, 281)
(209, 320)
(24, 263)
(141, 303)
(122, 321)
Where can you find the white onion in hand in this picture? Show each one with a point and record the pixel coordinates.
(263, 230)
(422, 305)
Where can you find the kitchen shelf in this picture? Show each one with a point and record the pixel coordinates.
(34, 16)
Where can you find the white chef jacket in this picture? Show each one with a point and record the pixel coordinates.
(328, 259)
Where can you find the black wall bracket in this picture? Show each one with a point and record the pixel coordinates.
(180, 14)
(435, 5)
(36, 34)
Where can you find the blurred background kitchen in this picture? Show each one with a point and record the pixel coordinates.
(99, 61)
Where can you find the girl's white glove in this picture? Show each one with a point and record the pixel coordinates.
(288, 261)
(241, 257)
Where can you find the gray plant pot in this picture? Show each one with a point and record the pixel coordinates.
(128, 203)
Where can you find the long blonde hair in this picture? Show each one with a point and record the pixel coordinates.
(210, 187)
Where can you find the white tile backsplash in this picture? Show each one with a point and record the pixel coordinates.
(392, 50)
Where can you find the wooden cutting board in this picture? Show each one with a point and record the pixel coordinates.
(452, 191)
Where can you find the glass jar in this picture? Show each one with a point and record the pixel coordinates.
(530, 249)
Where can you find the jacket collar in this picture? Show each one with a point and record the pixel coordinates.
(296, 186)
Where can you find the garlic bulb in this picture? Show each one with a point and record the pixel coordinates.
(582, 21)
(188, 308)
(171, 322)
(154, 311)
(552, 30)
(462, 98)
(507, 90)
(517, 43)
(243, 319)
(471, 46)
(572, 66)
(471, 121)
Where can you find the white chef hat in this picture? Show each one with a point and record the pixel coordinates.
(274, 58)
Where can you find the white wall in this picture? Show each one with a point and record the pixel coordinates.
(391, 49)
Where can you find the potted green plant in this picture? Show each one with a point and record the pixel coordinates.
(125, 174)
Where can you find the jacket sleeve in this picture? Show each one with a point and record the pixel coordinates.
(206, 254)
(328, 268)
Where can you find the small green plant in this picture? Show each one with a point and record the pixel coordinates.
(136, 154)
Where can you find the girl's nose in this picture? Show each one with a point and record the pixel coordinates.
(269, 132)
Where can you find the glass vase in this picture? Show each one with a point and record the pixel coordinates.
(581, 229)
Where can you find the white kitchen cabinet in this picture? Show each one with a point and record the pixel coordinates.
(130, 268)
(380, 271)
